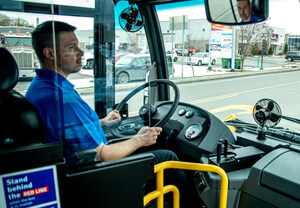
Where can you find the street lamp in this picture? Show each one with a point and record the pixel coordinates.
(262, 52)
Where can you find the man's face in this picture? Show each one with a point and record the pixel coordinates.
(244, 10)
(68, 53)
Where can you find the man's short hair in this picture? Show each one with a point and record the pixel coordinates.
(245, 0)
(42, 36)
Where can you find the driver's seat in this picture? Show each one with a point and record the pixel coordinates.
(20, 122)
(257, 8)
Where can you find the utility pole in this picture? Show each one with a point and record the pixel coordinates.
(262, 52)
(209, 53)
(233, 50)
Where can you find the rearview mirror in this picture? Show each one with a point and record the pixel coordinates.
(236, 12)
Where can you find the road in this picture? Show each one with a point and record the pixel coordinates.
(239, 95)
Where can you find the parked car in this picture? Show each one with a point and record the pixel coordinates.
(118, 56)
(192, 51)
(292, 55)
(132, 68)
(199, 59)
(173, 54)
(187, 51)
(179, 51)
(88, 59)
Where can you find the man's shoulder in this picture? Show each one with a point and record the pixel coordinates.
(40, 89)
(254, 17)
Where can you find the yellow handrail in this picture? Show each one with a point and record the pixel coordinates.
(161, 189)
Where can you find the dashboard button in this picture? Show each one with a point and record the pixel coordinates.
(181, 112)
(189, 114)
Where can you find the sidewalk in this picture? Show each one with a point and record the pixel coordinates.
(185, 75)
(201, 73)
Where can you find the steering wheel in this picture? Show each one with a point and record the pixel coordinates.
(148, 110)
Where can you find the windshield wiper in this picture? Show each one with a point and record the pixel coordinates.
(277, 132)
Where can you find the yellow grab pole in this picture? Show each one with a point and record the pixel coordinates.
(159, 168)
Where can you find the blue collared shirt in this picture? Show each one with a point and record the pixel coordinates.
(252, 19)
(67, 117)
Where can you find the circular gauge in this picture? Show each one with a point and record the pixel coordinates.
(193, 131)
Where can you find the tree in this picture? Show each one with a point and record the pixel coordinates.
(12, 21)
(5, 20)
(251, 36)
(255, 49)
(286, 48)
(133, 40)
(271, 51)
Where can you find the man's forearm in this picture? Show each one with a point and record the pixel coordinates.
(118, 150)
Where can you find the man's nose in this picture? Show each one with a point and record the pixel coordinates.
(242, 11)
(80, 52)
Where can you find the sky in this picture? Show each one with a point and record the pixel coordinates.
(285, 14)
(282, 13)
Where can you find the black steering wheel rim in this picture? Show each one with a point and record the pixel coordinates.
(174, 105)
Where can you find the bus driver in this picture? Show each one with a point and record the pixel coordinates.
(66, 115)
(80, 128)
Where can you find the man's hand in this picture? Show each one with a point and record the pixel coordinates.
(145, 137)
(148, 136)
(112, 118)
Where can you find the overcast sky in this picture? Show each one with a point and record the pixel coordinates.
(283, 14)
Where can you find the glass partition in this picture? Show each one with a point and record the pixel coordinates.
(77, 73)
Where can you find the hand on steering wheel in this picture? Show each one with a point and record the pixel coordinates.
(148, 110)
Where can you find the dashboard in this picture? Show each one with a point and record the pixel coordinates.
(198, 131)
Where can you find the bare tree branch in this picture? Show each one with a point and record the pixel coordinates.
(251, 36)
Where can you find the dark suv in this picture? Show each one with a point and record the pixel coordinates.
(292, 55)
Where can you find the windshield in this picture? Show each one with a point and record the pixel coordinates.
(184, 25)
(17, 41)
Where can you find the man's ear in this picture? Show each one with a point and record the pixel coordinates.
(48, 53)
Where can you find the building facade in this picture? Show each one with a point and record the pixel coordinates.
(294, 42)
(278, 40)
(195, 34)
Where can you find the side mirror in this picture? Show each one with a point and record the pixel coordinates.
(236, 12)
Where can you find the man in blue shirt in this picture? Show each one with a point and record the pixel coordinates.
(245, 11)
(66, 115)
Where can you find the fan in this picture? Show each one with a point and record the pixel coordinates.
(267, 113)
(130, 19)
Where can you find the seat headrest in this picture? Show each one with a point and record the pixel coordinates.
(9, 72)
(257, 7)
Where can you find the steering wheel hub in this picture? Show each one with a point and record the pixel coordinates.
(146, 111)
